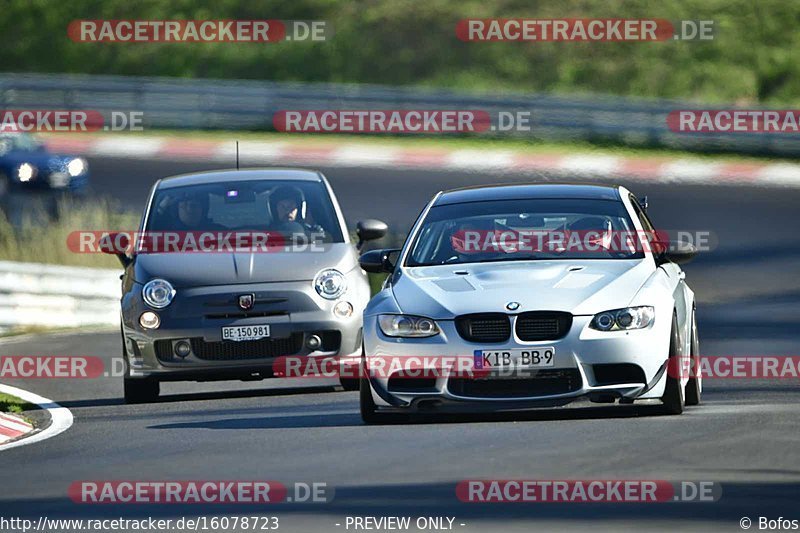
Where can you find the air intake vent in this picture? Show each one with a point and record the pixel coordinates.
(484, 327)
(543, 325)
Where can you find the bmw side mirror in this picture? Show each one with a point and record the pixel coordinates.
(682, 252)
(678, 252)
(370, 230)
(644, 204)
(377, 261)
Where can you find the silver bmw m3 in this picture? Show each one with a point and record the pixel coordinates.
(515, 296)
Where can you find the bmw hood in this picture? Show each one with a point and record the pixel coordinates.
(578, 287)
(218, 268)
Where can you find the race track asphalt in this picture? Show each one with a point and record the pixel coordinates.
(744, 436)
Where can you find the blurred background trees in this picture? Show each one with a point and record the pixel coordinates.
(752, 59)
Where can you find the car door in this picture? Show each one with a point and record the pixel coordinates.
(677, 281)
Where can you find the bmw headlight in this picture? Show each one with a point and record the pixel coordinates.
(330, 284)
(158, 293)
(76, 167)
(26, 172)
(407, 326)
(623, 319)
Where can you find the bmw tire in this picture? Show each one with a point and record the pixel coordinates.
(673, 398)
(694, 388)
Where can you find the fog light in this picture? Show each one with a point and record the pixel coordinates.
(314, 342)
(182, 349)
(149, 320)
(343, 309)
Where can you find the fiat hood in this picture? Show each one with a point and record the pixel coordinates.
(225, 268)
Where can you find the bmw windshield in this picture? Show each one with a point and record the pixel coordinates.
(525, 229)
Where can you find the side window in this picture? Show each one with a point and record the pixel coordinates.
(658, 240)
(646, 225)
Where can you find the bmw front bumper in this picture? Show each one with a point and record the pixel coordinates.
(601, 366)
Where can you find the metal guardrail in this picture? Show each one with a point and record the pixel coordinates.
(245, 104)
(33, 294)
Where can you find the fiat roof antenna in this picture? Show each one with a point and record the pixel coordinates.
(237, 155)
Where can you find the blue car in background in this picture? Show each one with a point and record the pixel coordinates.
(26, 164)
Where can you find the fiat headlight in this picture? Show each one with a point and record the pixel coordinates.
(624, 319)
(158, 293)
(407, 326)
(330, 284)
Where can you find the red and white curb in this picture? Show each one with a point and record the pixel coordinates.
(601, 167)
(12, 427)
(60, 420)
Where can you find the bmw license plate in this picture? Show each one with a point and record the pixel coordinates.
(514, 358)
(245, 333)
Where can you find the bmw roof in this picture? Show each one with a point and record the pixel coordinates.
(485, 193)
(248, 174)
